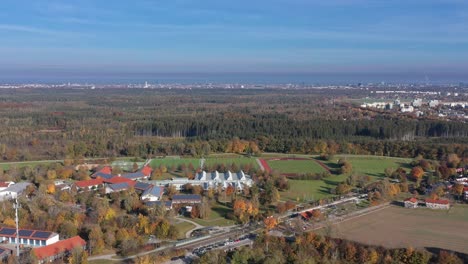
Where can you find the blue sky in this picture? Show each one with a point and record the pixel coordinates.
(352, 36)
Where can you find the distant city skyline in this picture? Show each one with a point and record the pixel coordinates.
(88, 39)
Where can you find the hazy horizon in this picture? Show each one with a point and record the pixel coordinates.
(244, 78)
(358, 37)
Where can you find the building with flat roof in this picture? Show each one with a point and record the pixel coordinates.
(186, 199)
(28, 237)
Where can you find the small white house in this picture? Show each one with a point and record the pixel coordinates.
(411, 203)
(13, 190)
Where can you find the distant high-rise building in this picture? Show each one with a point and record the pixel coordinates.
(417, 102)
(433, 103)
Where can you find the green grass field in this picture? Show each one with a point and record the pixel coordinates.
(6, 166)
(295, 166)
(239, 161)
(316, 189)
(183, 227)
(375, 166)
(169, 162)
(217, 217)
(305, 190)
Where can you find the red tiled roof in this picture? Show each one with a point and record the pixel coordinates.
(117, 179)
(89, 183)
(59, 247)
(412, 199)
(146, 170)
(437, 201)
(106, 170)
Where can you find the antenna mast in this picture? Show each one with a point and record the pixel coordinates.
(17, 226)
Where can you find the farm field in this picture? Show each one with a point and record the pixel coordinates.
(396, 227)
(295, 166)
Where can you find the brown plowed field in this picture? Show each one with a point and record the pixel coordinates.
(396, 227)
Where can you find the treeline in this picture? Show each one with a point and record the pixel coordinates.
(314, 248)
(54, 124)
(282, 126)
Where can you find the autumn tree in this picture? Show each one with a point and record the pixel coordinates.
(156, 174)
(195, 212)
(343, 188)
(50, 188)
(453, 160)
(270, 222)
(163, 168)
(96, 241)
(229, 190)
(417, 173)
(51, 174)
(281, 208)
(171, 190)
(458, 189)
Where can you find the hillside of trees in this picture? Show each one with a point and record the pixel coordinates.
(59, 123)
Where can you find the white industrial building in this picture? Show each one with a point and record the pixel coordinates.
(211, 180)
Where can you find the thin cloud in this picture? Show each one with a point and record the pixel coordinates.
(38, 31)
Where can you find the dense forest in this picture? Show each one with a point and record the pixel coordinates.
(59, 123)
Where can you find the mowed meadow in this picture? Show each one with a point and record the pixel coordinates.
(306, 190)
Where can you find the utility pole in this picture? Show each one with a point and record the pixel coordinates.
(17, 227)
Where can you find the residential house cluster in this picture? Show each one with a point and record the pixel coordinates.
(110, 183)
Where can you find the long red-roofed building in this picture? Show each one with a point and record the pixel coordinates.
(89, 184)
(117, 179)
(437, 204)
(59, 249)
